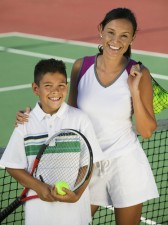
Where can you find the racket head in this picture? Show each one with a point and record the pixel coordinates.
(67, 156)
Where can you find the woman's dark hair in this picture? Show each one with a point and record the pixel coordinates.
(48, 66)
(119, 13)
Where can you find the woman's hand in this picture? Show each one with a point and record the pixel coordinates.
(134, 78)
(22, 116)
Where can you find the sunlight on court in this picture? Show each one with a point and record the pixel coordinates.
(18, 55)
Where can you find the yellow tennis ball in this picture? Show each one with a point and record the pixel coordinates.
(59, 185)
(156, 89)
(158, 108)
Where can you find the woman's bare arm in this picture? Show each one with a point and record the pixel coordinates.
(72, 100)
(142, 97)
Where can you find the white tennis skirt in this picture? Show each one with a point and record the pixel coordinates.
(123, 181)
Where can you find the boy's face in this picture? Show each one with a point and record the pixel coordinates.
(52, 91)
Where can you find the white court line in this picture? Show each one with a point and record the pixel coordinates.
(143, 219)
(45, 38)
(161, 77)
(38, 55)
(17, 87)
(24, 86)
(46, 56)
(80, 43)
(33, 54)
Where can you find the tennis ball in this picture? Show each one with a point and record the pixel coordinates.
(59, 185)
(156, 89)
(164, 100)
(158, 108)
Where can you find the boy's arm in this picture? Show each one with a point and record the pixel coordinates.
(80, 191)
(43, 190)
(26, 180)
(70, 196)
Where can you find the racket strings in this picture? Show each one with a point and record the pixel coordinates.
(66, 158)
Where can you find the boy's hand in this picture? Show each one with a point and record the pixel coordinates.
(44, 192)
(47, 193)
(70, 196)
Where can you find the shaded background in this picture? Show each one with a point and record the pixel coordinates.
(78, 19)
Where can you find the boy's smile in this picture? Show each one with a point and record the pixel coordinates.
(52, 91)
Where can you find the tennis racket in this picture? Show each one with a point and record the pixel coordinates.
(66, 156)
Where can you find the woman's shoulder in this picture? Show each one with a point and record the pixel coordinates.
(77, 63)
(86, 60)
(76, 69)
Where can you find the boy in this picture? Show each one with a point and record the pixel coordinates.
(49, 115)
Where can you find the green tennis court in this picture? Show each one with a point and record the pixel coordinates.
(18, 55)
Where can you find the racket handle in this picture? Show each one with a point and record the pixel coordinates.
(7, 211)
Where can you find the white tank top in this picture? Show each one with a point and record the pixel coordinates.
(109, 108)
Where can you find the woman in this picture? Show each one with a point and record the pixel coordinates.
(110, 95)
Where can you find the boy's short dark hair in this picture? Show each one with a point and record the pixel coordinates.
(48, 66)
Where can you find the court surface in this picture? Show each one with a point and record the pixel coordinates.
(19, 52)
(78, 20)
(72, 20)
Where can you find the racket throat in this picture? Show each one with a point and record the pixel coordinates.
(41, 178)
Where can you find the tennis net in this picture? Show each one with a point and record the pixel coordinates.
(155, 212)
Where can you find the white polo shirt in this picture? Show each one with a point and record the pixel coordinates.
(40, 127)
(20, 154)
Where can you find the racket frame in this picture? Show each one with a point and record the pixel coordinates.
(23, 197)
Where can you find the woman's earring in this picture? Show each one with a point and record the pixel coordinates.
(101, 35)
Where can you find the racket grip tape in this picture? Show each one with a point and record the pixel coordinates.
(9, 209)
